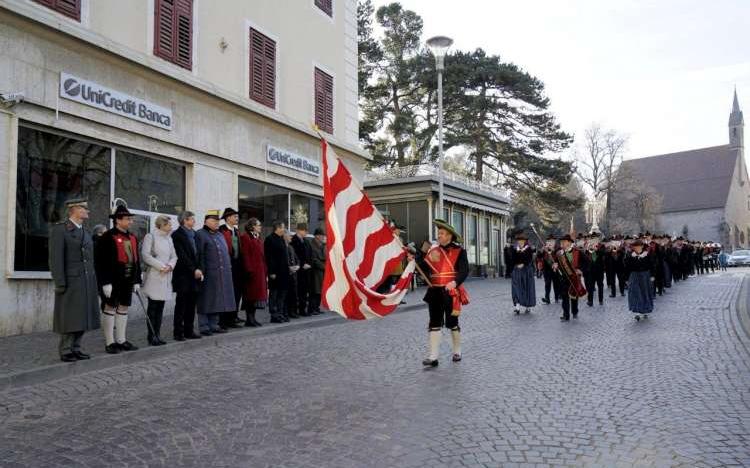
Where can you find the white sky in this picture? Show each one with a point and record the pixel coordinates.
(660, 71)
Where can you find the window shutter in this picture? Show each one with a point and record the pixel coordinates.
(324, 101)
(69, 8)
(173, 35)
(262, 69)
(326, 6)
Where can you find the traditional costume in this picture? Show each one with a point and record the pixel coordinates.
(640, 289)
(523, 284)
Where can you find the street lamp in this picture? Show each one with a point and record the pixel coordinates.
(439, 46)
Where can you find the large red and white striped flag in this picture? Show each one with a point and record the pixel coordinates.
(361, 249)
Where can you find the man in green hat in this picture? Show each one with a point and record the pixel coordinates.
(447, 266)
(71, 262)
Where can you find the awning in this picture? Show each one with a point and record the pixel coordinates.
(477, 206)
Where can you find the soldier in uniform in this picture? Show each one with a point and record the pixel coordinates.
(71, 262)
(118, 272)
(447, 265)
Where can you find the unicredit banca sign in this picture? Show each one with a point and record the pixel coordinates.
(109, 100)
(292, 161)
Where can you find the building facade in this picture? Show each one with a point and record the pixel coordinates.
(704, 193)
(165, 105)
(410, 197)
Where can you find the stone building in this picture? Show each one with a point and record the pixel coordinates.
(705, 193)
(164, 105)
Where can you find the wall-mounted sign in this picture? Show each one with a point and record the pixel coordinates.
(109, 100)
(293, 161)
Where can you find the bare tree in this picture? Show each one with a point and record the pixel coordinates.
(598, 157)
(635, 205)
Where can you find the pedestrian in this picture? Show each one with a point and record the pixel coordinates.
(447, 265)
(551, 283)
(595, 256)
(571, 263)
(118, 273)
(277, 263)
(614, 267)
(160, 257)
(217, 291)
(640, 264)
(318, 246)
(71, 263)
(294, 267)
(255, 288)
(231, 232)
(303, 251)
(523, 283)
(723, 259)
(186, 278)
(508, 258)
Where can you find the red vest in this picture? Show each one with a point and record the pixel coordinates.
(442, 262)
(122, 256)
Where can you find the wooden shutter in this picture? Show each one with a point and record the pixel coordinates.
(326, 6)
(69, 8)
(173, 31)
(324, 101)
(262, 69)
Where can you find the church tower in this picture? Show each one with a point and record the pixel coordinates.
(736, 125)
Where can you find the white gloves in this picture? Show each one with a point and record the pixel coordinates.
(136, 288)
(107, 289)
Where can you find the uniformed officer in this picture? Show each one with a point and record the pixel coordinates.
(71, 262)
(447, 266)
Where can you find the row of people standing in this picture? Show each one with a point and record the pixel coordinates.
(215, 271)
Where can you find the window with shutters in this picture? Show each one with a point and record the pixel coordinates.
(69, 8)
(173, 31)
(324, 101)
(262, 69)
(326, 6)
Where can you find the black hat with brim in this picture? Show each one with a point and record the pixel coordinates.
(566, 237)
(442, 224)
(121, 212)
(522, 236)
(229, 212)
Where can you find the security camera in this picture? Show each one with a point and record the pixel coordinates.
(11, 99)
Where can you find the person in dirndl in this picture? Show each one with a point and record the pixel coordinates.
(640, 264)
(523, 286)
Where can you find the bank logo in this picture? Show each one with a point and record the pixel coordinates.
(72, 87)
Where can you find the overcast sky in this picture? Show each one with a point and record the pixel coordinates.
(661, 71)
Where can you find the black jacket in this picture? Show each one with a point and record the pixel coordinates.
(277, 261)
(183, 276)
(303, 250)
(108, 269)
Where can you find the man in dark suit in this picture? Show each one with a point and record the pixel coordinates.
(277, 260)
(71, 262)
(186, 277)
(302, 248)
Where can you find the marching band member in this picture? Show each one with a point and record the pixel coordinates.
(595, 256)
(640, 264)
(523, 286)
(572, 263)
(550, 276)
(614, 266)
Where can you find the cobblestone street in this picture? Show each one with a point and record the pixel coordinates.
(602, 390)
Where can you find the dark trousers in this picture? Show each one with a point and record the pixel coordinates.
(569, 305)
(184, 314)
(440, 307)
(550, 284)
(277, 302)
(230, 318)
(70, 342)
(154, 313)
(291, 297)
(615, 280)
(303, 291)
(314, 304)
(595, 282)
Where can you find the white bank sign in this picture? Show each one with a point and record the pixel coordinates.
(109, 100)
(293, 161)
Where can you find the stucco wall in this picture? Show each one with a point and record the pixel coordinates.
(737, 210)
(702, 224)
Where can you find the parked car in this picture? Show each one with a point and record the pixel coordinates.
(739, 258)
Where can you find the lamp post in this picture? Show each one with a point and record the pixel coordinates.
(439, 46)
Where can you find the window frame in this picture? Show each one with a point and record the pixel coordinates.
(174, 58)
(329, 15)
(52, 5)
(248, 63)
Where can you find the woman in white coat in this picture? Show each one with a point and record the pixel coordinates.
(157, 252)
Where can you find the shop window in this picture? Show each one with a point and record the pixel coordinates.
(484, 243)
(52, 169)
(472, 241)
(69, 8)
(308, 210)
(149, 184)
(173, 31)
(446, 214)
(266, 202)
(458, 222)
(262, 69)
(324, 101)
(418, 228)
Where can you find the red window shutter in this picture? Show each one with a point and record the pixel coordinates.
(69, 8)
(262, 69)
(173, 31)
(326, 6)
(324, 101)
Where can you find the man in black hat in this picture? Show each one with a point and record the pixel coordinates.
(595, 256)
(118, 271)
(71, 262)
(230, 231)
(302, 249)
(550, 275)
(318, 259)
(575, 264)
